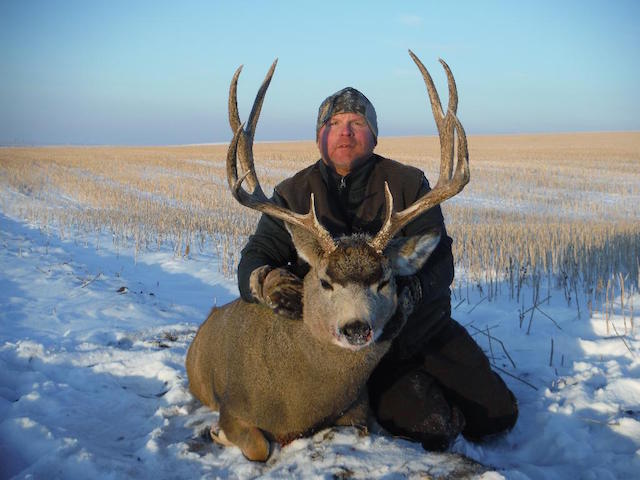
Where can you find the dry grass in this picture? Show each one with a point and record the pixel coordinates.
(561, 209)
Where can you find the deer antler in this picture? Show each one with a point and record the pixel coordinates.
(242, 144)
(449, 183)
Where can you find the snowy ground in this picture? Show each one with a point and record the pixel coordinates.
(93, 385)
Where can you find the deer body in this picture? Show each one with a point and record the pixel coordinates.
(285, 378)
(275, 378)
(285, 382)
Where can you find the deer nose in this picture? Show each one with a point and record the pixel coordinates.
(356, 332)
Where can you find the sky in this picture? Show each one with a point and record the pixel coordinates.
(158, 73)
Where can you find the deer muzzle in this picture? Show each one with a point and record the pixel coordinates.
(357, 333)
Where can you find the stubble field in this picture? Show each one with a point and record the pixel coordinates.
(545, 210)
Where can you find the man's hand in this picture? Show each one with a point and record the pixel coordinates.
(409, 293)
(279, 289)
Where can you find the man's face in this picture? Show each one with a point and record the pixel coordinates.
(345, 141)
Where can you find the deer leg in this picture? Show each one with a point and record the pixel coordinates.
(251, 441)
(357, 414)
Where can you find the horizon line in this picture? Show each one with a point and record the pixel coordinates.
(204, 144)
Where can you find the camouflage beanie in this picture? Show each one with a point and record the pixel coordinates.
(348, 100)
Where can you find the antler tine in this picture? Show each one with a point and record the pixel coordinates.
(453, 90)
(434, 98)
(246, 140)
(462, 174)
(388, 230)
(234, 116)
(242, 141)
(443, 122)
(257, 104)
(449, 183)
(235, 185)
(447, 134)
(234, 121)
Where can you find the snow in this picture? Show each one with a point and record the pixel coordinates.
(93, 384)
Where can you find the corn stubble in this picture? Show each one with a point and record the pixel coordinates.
(547, 211)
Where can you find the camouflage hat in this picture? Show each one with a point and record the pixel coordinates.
(348, 100)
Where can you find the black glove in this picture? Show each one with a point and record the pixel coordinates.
(409, 293)
(279, 289)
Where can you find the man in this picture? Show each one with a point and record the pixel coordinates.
(435, 382)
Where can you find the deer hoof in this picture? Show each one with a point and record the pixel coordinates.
(218, 436)
(256, 447)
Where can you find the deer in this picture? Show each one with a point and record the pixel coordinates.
(274, 379)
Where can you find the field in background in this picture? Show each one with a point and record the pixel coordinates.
(546, 210)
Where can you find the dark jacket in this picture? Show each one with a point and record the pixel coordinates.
(352, 204)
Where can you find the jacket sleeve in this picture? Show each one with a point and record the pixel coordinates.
(271, 245)
(436, 274)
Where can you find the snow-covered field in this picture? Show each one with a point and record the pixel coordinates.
(93, 384)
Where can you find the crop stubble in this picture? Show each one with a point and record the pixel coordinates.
(554, 209)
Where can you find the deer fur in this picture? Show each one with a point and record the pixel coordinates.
(288, 378)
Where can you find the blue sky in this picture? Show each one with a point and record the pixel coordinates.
(138, 72)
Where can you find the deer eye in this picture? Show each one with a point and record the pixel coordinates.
(326, 285)
(383, 284)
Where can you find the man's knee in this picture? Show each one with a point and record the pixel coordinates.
(483, 421)
(415, 407)
(456, 361)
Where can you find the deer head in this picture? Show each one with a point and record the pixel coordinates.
(350, 291)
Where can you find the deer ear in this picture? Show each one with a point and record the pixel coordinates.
(307, 245)
(409, 254)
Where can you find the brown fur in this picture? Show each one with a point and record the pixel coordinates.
(271, 377)
(272, 373)
(356, 262)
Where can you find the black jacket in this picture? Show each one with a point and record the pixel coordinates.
(352, 204)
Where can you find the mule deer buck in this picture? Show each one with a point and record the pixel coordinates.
(276, 379)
